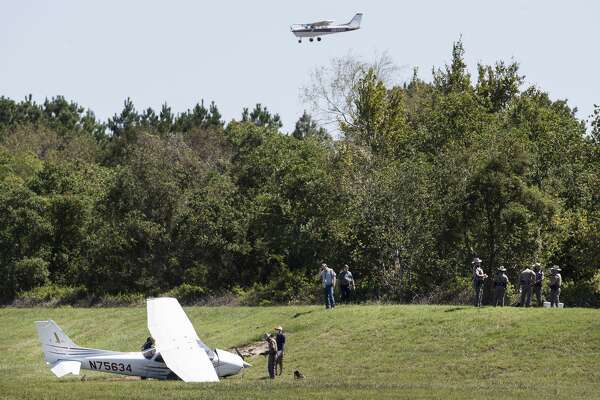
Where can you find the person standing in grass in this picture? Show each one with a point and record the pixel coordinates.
(280, 339)
(271, 354)
(328, 279)
(346, 284)
(526, 280)
(555, 284)
(478, 279)
(500, 284)
(537, 286)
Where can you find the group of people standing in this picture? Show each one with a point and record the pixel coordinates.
(329, 279)
(276, 342)
(530, 283)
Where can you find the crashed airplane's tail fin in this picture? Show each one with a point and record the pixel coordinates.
(55, 342)
(50, 333)
(355, 21)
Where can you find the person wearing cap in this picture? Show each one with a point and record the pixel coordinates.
(280, 340)
(500, 283)
(271, 354)
(526, 281)
(537, 286)
(328, 279)
(478, 278)
(148, 349)
(555, 283)
(346, 284)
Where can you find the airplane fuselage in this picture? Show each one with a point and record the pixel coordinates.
(321, 31)
(146, 364)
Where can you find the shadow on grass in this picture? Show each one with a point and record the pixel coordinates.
(454, 309)
(302, 313)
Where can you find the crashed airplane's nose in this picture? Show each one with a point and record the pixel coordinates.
(229, 363)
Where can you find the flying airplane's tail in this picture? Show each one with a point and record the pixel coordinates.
(355, 22)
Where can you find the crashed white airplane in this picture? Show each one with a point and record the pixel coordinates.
(320, 28)
(179, 353)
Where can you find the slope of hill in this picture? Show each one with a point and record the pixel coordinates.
(350, 352)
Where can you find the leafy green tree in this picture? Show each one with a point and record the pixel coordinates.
(454, 77)
(503, 215)
(307, 127)
(199, 118)
(498, 85)
(595, 124)
(122, 123)
(209, 236)
(261, 116)
(23, 232)
(165, 120)
(30, 273)
(379, 122)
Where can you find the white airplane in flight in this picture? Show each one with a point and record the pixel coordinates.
(320, 28)
(178, 353)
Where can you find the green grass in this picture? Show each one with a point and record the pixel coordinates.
(354, 352)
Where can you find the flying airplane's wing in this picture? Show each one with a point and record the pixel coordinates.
(320, 23)
(177, 341)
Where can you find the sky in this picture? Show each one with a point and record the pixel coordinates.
(239, 53)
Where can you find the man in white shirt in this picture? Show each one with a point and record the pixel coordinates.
(478, 278)
(328, 279)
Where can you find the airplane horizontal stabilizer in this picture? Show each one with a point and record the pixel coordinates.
(62, 368)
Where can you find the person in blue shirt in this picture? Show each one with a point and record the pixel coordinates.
(280, 339)
(328, 279)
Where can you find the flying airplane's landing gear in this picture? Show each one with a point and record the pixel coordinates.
(318, 39)
(311, 39)
(299, 40)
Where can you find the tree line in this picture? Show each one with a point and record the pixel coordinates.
(420, 177)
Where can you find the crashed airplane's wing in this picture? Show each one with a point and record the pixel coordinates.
(177, 341)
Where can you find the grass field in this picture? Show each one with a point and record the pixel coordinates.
(353, 352)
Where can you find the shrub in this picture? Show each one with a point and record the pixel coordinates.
(582, 293)
(121, 300)
(456, 291)
(52, 296)
(284, 287)
(187, 294)
(30, 273)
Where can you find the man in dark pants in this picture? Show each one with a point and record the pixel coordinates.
(555, 284)
(500, 284)
(271, 354)
(526, 280)
(478, 278)
(537, 286)
(346, 284)
(328, 279)
(280, 340)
